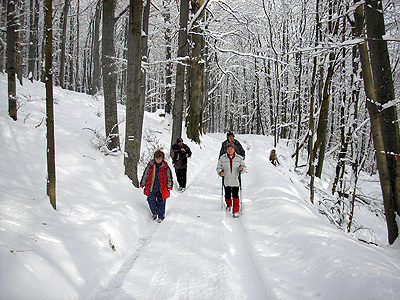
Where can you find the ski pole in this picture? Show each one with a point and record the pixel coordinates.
(240, 189)
(222, 194)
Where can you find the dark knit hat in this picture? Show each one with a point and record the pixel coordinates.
(229, 133)
(179, 140)
(230, 145)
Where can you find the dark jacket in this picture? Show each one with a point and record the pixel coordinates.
(164, 177)
(239, 148)
(180, 159)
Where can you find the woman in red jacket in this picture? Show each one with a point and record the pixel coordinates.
(157, 182)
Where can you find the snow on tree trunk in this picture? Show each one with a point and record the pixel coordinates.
(109, 77)
(134, 111)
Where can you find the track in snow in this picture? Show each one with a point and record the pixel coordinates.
(198, 252)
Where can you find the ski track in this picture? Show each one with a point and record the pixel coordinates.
(198, 252)
(112, 291)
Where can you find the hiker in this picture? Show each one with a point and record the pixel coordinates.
(157, 182)
(230, 166)
(181, 154)
(230, 138)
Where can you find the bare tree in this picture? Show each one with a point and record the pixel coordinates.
(379, 90)
(64, 18)
(11, 63)
(109, 76)
(197, 79)
(145, 54)
(95, 82)
(311, 128)
(77, 77)
(168, 55)
(33, 40)
(322, 138)
(134, 117)
(3, 23)
(51, 165)
(177, 111)
(20, 39)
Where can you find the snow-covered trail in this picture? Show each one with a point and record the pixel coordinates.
(281, 248)
(198, 252)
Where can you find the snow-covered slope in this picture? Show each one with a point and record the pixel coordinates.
(280, 248)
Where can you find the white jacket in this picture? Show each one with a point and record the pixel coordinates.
(231, 177)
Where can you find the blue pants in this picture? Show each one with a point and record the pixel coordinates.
(157, 204)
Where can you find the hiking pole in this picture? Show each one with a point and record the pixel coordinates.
(240, 189)
(222, 194)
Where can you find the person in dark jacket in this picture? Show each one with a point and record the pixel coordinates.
(157, 182)
(230, 138)
(181, 153)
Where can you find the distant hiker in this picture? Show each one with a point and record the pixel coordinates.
(273, 158)
(181, 154)
(157, 182)
(230, 165)
(230, 138)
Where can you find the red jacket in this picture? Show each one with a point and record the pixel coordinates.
(164, 176)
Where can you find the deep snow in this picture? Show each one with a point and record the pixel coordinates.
(280, 248)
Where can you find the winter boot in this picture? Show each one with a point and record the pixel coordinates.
(236, 205)
(228, 204)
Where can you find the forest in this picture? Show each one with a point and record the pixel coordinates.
(321, 76)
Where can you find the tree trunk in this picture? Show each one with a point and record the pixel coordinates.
(168, 55)
(311, 125)
(12, 99)
(3, 24)
(77, 81)
(375, 115)
(267, 70)
(109, 77)
(145, 50)
(384, 88)
(206, 80)
(299, 108)
(38, 62)
(197, 78)
(324, 118)
(311, 129)
(51, 165)
(64, 17)
(134, 117)
(71, 73)
(177, 110)
(95, 82)
(20, 40)
(32, 41)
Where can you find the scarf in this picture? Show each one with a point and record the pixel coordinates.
(230, 160)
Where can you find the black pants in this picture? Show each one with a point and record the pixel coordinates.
(181, 177)
(231, 192)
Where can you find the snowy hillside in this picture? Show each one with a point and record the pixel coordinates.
(101, 244)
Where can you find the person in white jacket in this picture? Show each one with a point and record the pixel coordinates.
(229, 166)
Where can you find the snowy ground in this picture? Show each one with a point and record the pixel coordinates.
(280, 248)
